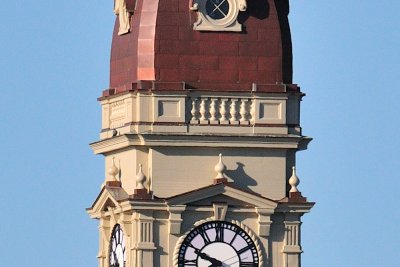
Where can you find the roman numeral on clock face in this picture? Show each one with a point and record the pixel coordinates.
(244, 249)
(190, 262)
(219, 234)
(248, 264)
(204, 235)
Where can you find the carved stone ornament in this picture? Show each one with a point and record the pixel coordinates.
(218, 15)
(123, 15)
(140, 178)
(113, 171)
(220, 210)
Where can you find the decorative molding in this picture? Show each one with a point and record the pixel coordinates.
(218, 15)
(175, 219)
(223, 112)
(102, 203)
(199, 140)
(144, 224)
(169, 109)
(222, 189)
(292, 246)
(220, 210)
(118, 114)
(270, 111)
(264, 221)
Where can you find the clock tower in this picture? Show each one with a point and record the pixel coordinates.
(200, 129)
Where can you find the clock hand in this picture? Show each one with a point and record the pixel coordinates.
(229, 258)
(224, 262)
(204, 256)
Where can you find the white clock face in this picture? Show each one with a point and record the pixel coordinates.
(218, 244)
(117, 247)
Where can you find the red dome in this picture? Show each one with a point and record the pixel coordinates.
(162, 47)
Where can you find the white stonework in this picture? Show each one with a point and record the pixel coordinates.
(163, 175)
(235, 113)
(217, 15)
(152, 227)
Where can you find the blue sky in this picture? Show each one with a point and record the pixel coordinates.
(54, 63)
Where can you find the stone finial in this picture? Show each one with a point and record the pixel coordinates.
(141, 192)
(294, 181)
(220, 168)
(113, 171)
(140, 178)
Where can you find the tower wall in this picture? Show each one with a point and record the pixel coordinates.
(200, 129)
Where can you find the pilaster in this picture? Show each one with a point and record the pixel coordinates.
(125, 221)
(174, 221)
(144, 248)
(104, 233)
(292, 248)
(264, 227)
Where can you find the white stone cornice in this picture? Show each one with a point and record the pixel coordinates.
(200, 140)
(222, 189)
(101, 203)
(295, 207)
(147, 205)
(111, 144)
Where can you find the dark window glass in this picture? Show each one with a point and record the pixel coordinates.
(217, 9)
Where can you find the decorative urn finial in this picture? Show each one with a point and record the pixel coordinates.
(140, 178)
(294, 181)
(113, 171)
(220, 168)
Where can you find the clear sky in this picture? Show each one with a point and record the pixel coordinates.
(54, 63)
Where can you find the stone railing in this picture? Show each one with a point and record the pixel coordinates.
(215, 110)
(200, 113)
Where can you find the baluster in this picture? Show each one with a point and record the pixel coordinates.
(222, 111)
(194, 112)
(243, 112)
(213, 111)
(203, 111)
(233, 112)
(253, 111)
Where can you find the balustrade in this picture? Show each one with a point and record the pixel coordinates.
(212, 110)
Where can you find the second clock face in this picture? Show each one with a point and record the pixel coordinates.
(218, 244)
(117, 248)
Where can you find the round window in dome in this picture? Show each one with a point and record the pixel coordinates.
(218, 15)
(217, 9)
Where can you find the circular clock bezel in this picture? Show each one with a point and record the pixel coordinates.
(117, 243)
(206, 252)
